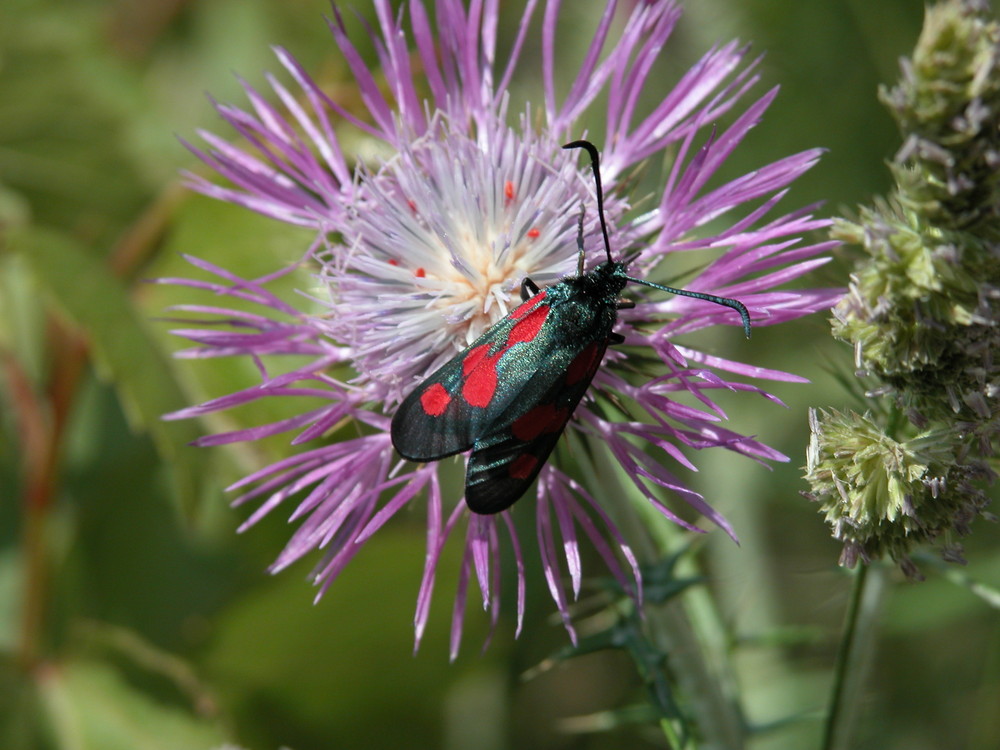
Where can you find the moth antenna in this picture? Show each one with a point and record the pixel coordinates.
(595, 163)
(729, 302)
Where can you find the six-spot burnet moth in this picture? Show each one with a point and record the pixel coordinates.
(509, 395)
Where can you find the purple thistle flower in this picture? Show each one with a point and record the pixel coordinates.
(424, 248)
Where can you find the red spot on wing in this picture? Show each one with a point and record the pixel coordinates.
(543, 418)
(528, 327)
(480, 370)
(523, 466)
(435, 400)
(584, 364)
(473, 358)
(481, 384)
(533, 233)
(480, 367)
(521, 310)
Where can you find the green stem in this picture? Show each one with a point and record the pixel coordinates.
(42, 419)
(853, 660)
(696, 643)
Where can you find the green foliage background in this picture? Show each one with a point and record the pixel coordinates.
(151, 624)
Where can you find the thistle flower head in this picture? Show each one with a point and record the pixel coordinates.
(444, 234)
(420, 250)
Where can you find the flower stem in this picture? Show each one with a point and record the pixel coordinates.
(853, 660)
(42, 417)
(689, 629)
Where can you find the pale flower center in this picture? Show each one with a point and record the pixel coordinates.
(479, 295)
(443, 241)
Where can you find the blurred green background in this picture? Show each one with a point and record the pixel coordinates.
(155, 626)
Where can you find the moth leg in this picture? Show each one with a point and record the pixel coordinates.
(616, 338)
(528, 289)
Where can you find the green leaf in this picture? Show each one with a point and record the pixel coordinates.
(122, 347)
(91, 707)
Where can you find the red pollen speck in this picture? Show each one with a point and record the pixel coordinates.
(523, 466)
(533, 233)
(393, 262)
(508, 191)
(583, 365)
(420, 273)
(413, 206)
(435, 400)
(541, 419)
